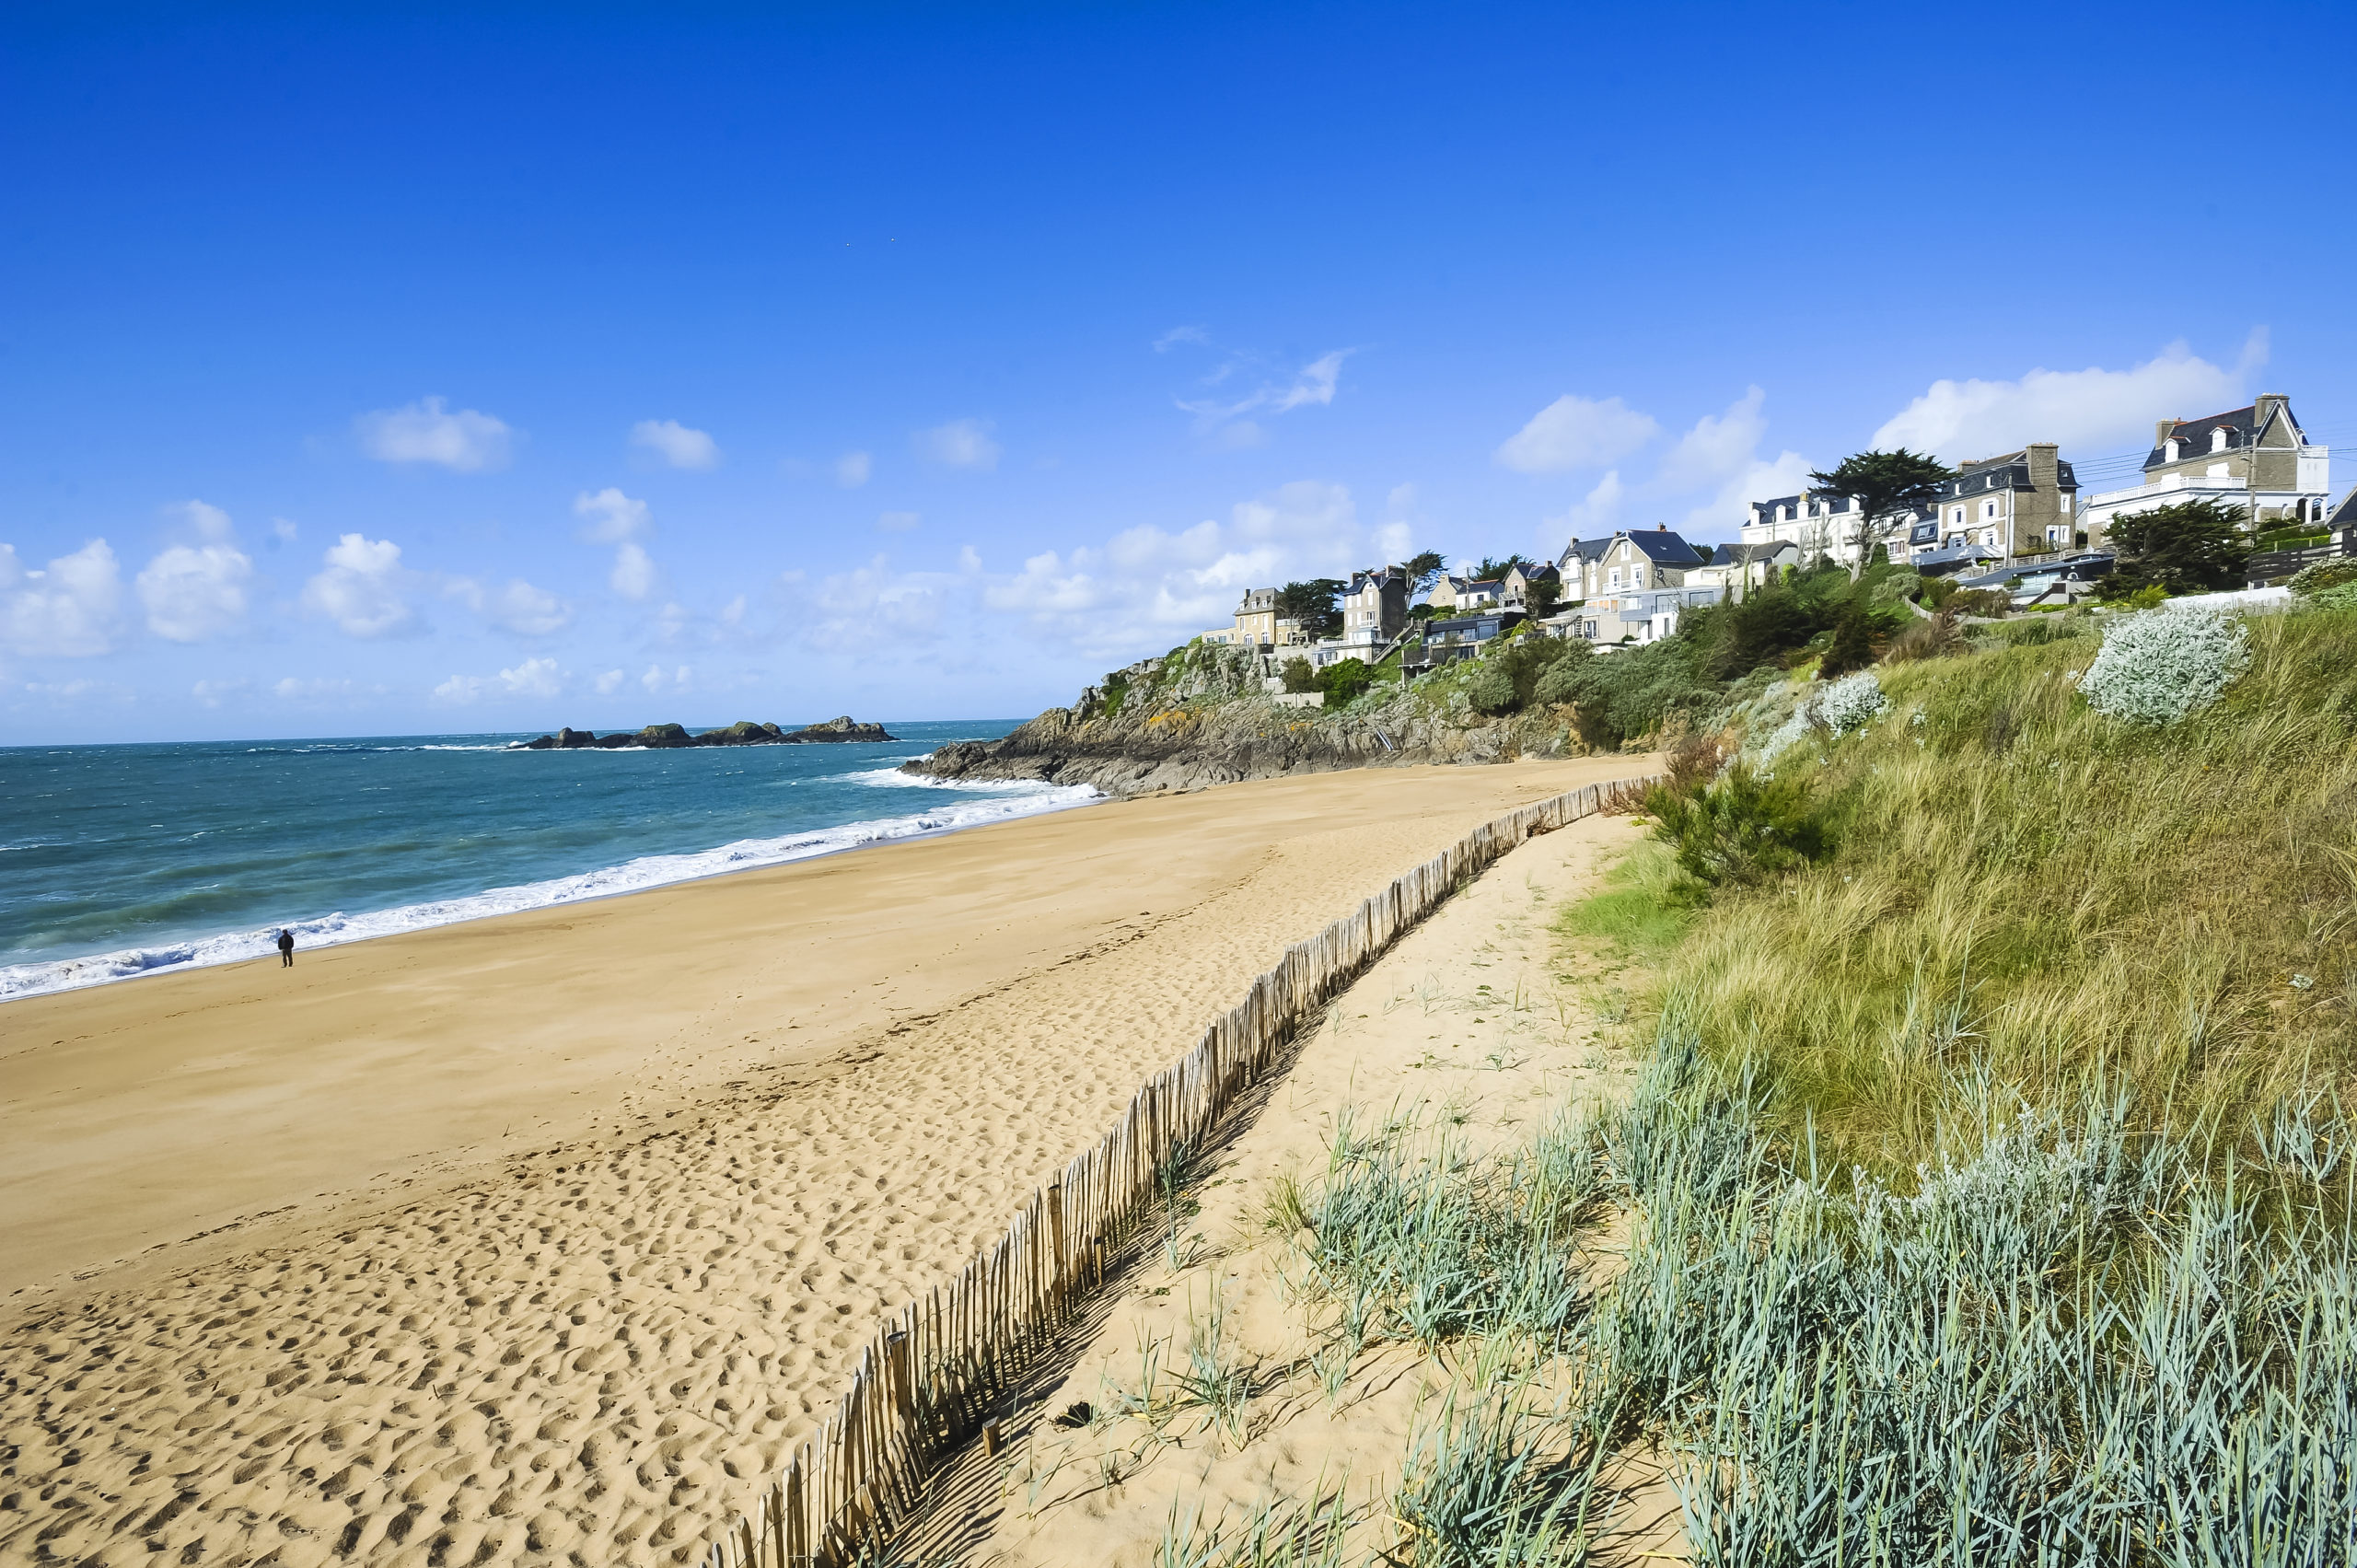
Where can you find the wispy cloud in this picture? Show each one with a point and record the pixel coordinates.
(896, 522)
(1240, 387)
(960, 444)
(675, 444)
(467, 441)
(611, 517)
(851, 470)
(519, 607)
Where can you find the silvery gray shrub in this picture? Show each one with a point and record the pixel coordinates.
(2160, 664)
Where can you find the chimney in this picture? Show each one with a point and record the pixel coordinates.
(2161, 432)
(2043, 472)
(2264, 409)
(1663, 528)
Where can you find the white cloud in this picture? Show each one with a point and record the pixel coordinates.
(896, 522)
(1962, 419)
(68, 609)
(208, 522)
(1718, 446)
(851, 470)
(282, 530)
(1720, 518)
(519, 607)
(655, 681)
(1576, 432)
(315, 691)
(875, 606)
(960, 444)
(533, 678)
(195, 592)
(360, 588)
(1146, 584)
(1594, 516)
(1180, 335)
(211, 693)
(424, 432)
(675, 444)
(633, 574)
(611, 682)
(611, 516)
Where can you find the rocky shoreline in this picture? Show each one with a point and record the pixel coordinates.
(744, 732)
(1186, 725)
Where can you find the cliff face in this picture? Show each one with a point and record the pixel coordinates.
(1201, 718)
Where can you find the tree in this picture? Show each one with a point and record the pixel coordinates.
(1344, 680)
(1312, 604)
(1425, 570)
(1489, 570)
(1853, 646)
(1298, 676)
(2184, 547)
(1543, 595)
(1886, 486)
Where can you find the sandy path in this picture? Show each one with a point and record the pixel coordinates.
(1466, 1020)
(766, 1108)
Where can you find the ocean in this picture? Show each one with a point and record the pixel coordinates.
(118, 861)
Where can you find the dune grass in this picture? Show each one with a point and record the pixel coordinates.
(2033, 905)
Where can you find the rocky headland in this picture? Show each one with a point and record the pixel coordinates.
(744, 732)
(1201, 716)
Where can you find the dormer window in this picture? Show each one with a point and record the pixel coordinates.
(2218, 439)
(2171, 449)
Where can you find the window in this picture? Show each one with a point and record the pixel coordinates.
(2218, 439)
(2066, 503)
(1957, 516)
(1615, 578)
(1989, 508)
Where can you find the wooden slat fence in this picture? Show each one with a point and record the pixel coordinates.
(927, 1382)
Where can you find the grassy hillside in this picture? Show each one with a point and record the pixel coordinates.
(2030, 900)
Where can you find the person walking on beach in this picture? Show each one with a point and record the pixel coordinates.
(285, 948)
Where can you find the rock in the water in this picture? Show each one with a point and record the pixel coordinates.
(744, 732)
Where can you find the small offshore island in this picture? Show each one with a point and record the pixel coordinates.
(744, 732)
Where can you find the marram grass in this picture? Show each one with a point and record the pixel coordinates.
(2031, 895)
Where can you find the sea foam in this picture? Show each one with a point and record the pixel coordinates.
(959, 806)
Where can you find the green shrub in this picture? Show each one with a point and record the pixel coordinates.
(1853, 646)
(1491, 690)
(1344, 680)
(1741, 831)
(1560, 681)
(2325, 575)
(1298, 676)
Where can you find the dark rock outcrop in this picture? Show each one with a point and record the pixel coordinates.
(1204, 720)
(744, 732)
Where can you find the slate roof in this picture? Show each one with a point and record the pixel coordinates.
(2343, 515)
(1745, 554)
(2008, 472)
(1663, 548)
(2195, 434)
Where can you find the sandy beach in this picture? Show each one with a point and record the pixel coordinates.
(538, 1238)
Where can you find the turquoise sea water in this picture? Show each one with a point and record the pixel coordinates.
(118, 861)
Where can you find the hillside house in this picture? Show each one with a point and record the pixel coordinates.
(1734, 568)
(1516, 585)
(2021, 504)
(1646, 558)
(2256, 458)
(1578, 566)
(1462, 596)
(1255, 626)
(1374, 607)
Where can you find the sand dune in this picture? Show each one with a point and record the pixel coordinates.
(745, 1117)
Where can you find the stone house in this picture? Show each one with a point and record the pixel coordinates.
(2257, 459)
(1375, 606)
(2021, 504)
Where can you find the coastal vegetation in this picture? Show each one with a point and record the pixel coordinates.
(1985, 1196)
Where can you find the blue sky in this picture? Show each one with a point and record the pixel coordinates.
(503, 367)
